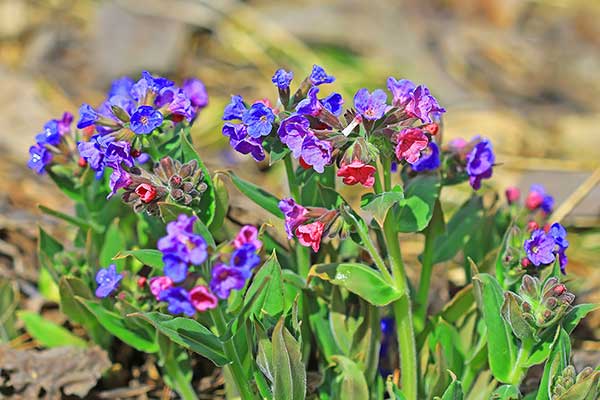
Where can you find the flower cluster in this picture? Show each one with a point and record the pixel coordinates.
(53, 143)
(544, 246)
(132, 109)
(537, 198)
(307, 224)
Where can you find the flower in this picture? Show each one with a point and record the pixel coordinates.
(119, 178)
(225, 279)
(121, 87)
(158, 284)
(357, 172)
(316, 153)
(410, 143)
(318, 76)
(292, 132)
(235, 109)
(311, 104)
(480, 162)
(50, 135)
(247, 234)
(559, 234)
(401, 90)
(145, 119)
(333, 103)
(512, 194)
(430, 159)
(87, 116)
(309, 235)
(540, 248)
(146, 192)
(282, 78)
(39, 158)
(294, 215)
(172, 100)
(241, 142)
(108, 280)
(156, 83)
(245, 257)
(538, 198)
(195, 90)
(202, 299)
(259, 119)
(372, 106)
(179, 301)
(422, 104)
(181, 247)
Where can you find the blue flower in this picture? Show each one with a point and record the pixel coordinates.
(245, 257)
(145, 119)
(310, 105)
(540, 248)
(333, 103)
(39, 158)
(50, 135)
(480, 162)
(108, 280)
(430, 159)
(372, 106)
(121, 87)
(87, 116)
(179, 301)
(242, 143)
(282, 78)
(259, 119)
(156, 84)
(235, 109)
(318, 76)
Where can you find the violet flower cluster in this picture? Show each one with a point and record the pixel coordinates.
(545, 246)
(53, 144)
(308, 224)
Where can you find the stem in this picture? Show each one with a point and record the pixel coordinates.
(402, 313)
(291, 177)
(518, 371)
(241, 381)
(387, 173)
(422, 296)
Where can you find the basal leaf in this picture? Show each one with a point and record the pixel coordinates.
(289, 374)
(47, 333)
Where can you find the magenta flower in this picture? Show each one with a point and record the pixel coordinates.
(309, 235)
(158, 284)
(422, 104)
(512, 194)
(202, 299)
(410, 143)
(248, 234)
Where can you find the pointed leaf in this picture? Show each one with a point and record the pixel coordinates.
(259, 196)
(380, 204)
(47, 333)
(288, 368)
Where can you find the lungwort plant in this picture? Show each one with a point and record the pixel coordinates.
(329, 313)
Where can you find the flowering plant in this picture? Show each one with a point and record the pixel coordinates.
(331, 312)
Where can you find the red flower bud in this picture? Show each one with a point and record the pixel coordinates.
(135, 153)
(81, 162)
(547, 228)
(512, 194)
(532, 226)
(559, 289)
(303, 163)
(146, 192)
(432, 128)
(357, 172)
(525, 262)
(141, 282)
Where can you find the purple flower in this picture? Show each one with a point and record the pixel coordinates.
(316, 153)
(235, 109)
(121, 87)
(282, 78)
(294, 214)
(139, 90)
(559, 234)
(108, 280)
(119, 178)
(259, 119)
(194, 89)
(480, 162)
(125, 103)
(179, 301)
(225, 279)
(318, 76)
(118, 152)
(430, 159)
(87, 116)
(310, 105)
(156, 84)
(39, 158)
(242, 143)
(540, 248)
(371, 106)
(175, 101)
(422, 104)
(145, 119)
(292, 132)
(50, 135)
(401, 90)
(562, 261)
(245, 257)
(92, 151)
(181, 247)
(333, 103)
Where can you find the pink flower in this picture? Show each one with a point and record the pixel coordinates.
(146, 192)
(512, 194)
(202, 299)
(410, 143)
(294, 214)
(248, 234)
(534, 200)
(357, 172)
(160, 283)
(309, 235)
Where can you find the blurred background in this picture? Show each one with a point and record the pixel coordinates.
(525, 73)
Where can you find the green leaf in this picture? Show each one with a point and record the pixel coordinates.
(47, 286)
(507, 392)
(415, 211)
(115, 324)
(351, 380)
(459, 305)
(358, 279)
(260, 196)
(502, 347)
(9, 301)
(463, 224)
(454, 390)
(75, 221)
(150, 257)
(114, 242)
(47, 333)
(576, 314)
(270, 298)
(48, 247)
(380, 204)
(289, 374)
(207, 206)
(560, 353)
(222, 204)
(176, 365)
(512, 313)
(188, 333)
(278, 152)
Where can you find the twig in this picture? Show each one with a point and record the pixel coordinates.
(577, 196)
